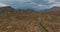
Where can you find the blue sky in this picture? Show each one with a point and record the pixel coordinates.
(30, 4)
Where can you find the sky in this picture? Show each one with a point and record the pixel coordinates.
(30, 4)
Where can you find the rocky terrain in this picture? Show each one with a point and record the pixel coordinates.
(12, 20)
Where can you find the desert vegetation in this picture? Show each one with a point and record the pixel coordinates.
(12, 20)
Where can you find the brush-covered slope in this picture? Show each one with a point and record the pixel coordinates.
(51, 19)
(18, 21)
(53, 11)
(12, 20)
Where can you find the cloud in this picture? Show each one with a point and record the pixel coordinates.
(22, 1)
(18, 3)
(40, 5)
(3, 5)
(52, 1)
(57, 4)
(30, 3)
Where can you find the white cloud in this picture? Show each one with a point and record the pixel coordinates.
(3, 5)
(22, 1)
(52, 1)
(18, 2)
(40, 5)
(55, 5)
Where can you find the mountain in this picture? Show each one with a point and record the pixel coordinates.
(52, 11)
(55, 9)
(17, 20)
(12, 20)
(6, 8)
(51, 19)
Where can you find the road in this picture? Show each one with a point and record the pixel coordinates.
(42, 28)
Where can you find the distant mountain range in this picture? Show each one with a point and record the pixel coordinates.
(51, 11)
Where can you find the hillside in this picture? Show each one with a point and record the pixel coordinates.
(50, 19)
(12, 20)
(18, 21)
(52, 11)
